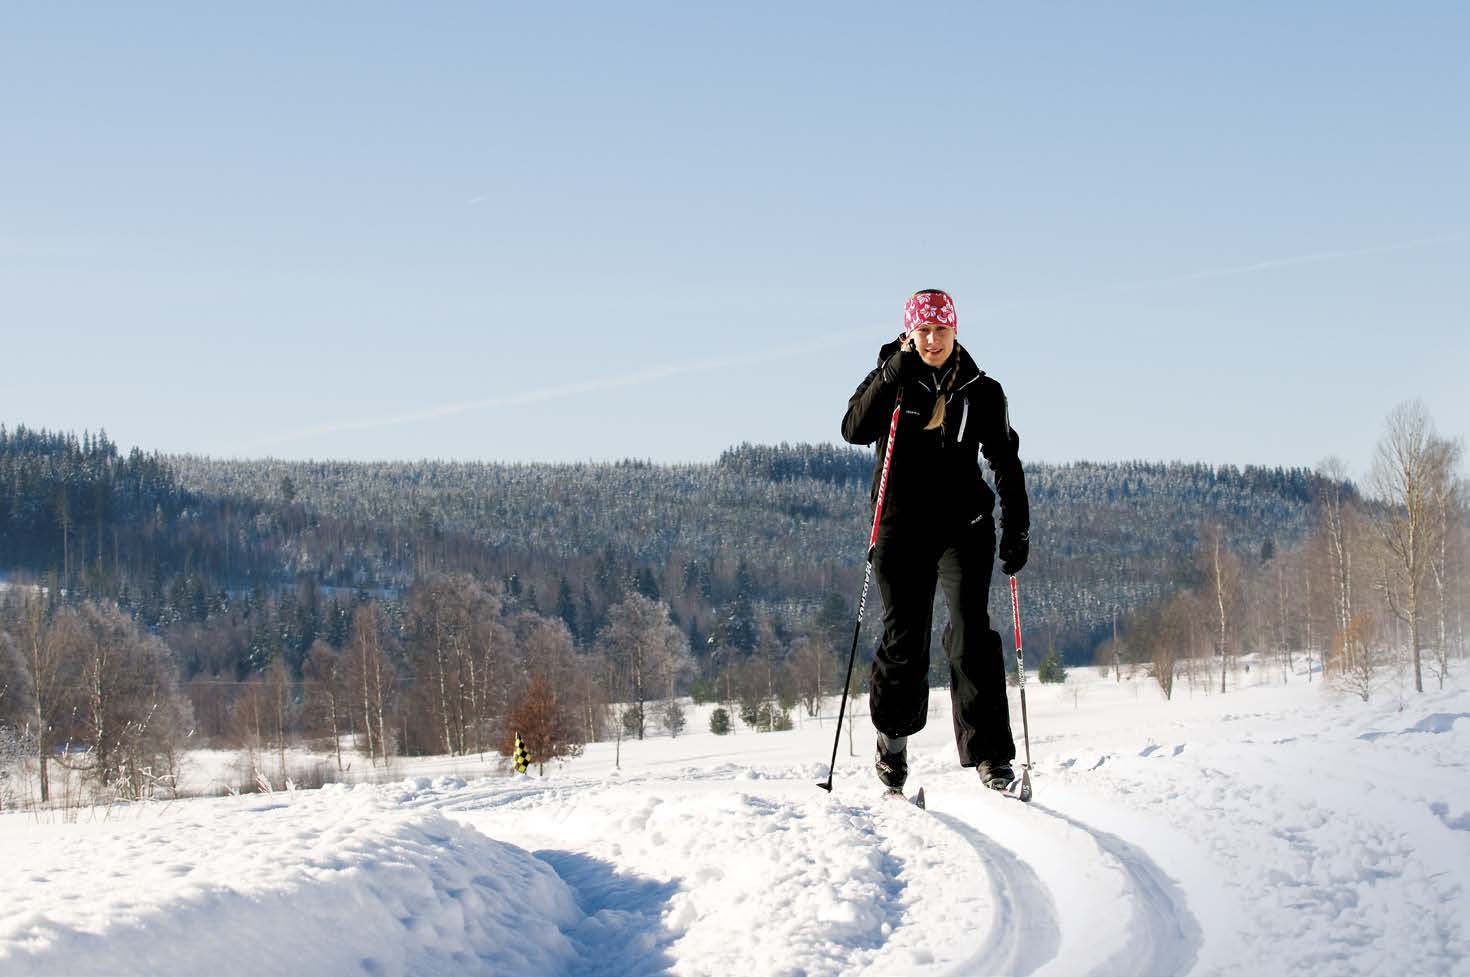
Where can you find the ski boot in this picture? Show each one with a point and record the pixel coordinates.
(893, 768)
(1001, 777)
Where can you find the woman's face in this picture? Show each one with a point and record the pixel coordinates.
(934, 343)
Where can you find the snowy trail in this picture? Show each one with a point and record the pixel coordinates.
(1267, 832)
(1020, 883)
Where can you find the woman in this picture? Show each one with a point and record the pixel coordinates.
(938, 528)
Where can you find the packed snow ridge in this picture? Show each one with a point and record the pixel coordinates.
(1274, 829)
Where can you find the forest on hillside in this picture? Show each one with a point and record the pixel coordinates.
(777, 528)
(255, 601)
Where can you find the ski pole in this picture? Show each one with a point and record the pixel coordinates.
(1025, 782)
(867, 576)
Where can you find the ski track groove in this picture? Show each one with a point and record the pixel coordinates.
(1025, 933)
(1166, 938)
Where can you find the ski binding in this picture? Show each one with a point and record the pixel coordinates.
(894, 794)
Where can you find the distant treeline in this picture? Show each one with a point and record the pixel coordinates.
(765, 531)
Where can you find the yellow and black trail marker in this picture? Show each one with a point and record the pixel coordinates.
(521, 758)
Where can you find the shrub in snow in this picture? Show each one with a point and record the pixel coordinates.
(1051, 668)
(672, 714)
(15, 747)
(719, 722)
(773, 718)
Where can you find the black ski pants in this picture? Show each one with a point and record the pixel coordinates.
(909, 561)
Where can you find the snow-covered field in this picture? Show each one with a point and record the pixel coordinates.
(1271, 830)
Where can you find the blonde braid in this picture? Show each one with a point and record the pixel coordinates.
(937, 418)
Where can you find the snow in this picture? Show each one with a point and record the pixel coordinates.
(1272, 829)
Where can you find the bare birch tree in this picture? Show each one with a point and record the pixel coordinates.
(132, 716)
(816, 669)
(1412, 468)
(643, 647)
(49, 678)
(1445, 558)
(280, 710)
(370, 678)
(1222, 573)
(325, 691)
(457, 644)
(1337, 529)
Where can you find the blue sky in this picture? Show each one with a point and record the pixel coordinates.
(1229, 233)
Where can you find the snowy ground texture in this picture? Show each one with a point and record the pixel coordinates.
(1270, 830)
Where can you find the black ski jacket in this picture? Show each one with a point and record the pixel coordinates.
(934, 477)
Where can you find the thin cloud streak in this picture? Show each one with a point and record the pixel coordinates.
(1214, 273)
(543, 394)
(12, 250)
(1304, 259)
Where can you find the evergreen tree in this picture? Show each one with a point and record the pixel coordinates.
(1051, 667)
(834, 621)
(736, 626)
(566, 605)
(645, 584)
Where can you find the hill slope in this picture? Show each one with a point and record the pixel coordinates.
(776, 527)
(1105, 537)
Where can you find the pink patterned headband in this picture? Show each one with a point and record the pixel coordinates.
(929, 308)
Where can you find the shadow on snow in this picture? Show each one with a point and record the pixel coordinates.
(622, 931)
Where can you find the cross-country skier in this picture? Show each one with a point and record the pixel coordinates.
(938, 527)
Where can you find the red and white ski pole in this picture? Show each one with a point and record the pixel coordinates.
(867, 576)
(1021, 788)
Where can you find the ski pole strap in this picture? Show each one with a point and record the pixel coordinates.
(883, 478)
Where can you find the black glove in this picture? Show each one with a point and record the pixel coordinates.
(903, 366)
(1014, 548)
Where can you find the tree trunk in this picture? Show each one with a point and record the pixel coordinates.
(1307, 615)
(1281, 623)
(638, 687)
(336, 733)
(43, 749)
(1117, 652)
(475, 718)
(379, 698)
(367, 707)
(1220, 601)
(443, 697)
